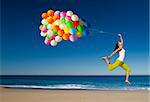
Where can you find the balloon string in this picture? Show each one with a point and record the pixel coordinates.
(100, 31)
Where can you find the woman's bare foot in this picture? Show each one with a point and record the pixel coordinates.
(104, 58)
(128, 82)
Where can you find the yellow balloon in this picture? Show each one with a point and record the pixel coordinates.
(79, 34)
(66, 30)
(53, 24)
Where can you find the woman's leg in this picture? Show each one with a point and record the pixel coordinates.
(111, 66)
(128, 70)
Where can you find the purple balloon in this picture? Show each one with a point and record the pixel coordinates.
(57, 13)
(73, 38)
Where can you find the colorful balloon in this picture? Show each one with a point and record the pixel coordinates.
(44, 15)
(60, 32)
(67, 18)
(57, 22)
(58, 39)
(47, 42)
(69, 13)
(53, 43)
(43, 34)
(44, 21)
(69, 24)
(56, 17)
(49, 20)
(54, 32)
(44, 30)
(57, 26)
(40, 27)
(79, 34)
(52, 36)
(73, 31)
(49, 32)
(66, 30)
(74, 18)
(84, 33)
(63, 20)
(49, 26)
(57, 13)
(75, 24)
(48, 37)
(62, 26)
(73, 38)
(66, 36)
(63, 14)
(50, 13)
(80, 28)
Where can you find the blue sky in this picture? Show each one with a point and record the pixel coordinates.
(24, 53)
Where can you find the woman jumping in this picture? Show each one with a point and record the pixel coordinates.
(120, 59)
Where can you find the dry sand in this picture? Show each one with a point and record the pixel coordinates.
(21, 95)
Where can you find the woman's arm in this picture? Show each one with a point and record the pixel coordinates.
(114, 52)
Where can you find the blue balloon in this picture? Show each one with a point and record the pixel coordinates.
(73, 31)
(84, 33)
(85, 24)
(80, 20)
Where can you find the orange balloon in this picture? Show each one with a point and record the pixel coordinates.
(56, 17)
(49, 20)
(81, 23)
(44, 15)
(56, 28)
(66, 36)
(40, 27)
(50, 13)
(60, 32)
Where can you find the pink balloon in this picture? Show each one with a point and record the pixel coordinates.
(68, 18)
(63, 14)
(44, 30)
(52, 36)
(47, 42)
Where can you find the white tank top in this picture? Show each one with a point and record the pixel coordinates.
(121, 55)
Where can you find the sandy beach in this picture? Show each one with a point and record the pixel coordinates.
(22, 95)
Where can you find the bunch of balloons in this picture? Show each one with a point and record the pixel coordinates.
(60, 25)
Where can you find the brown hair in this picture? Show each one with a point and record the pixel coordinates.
(116, 46)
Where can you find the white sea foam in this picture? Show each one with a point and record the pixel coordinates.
(74, 87)
(65, 86)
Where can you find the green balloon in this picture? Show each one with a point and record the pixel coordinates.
(80, 28)
(48, 37)
(69, 24)
(46, 25)
(54, 32)
(63, 20)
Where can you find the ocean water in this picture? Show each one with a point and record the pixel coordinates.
(75, 82)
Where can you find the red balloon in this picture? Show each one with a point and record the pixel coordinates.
(75, 24)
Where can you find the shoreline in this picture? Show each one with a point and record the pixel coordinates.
(37, 95)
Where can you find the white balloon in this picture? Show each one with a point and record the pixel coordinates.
(43, 34)
(74, 17)
(69, 13)
(53, 43)
(58, 39)
(44, 21)
(49, 32)
(49, 26)
(57, 22)
(62, 26)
